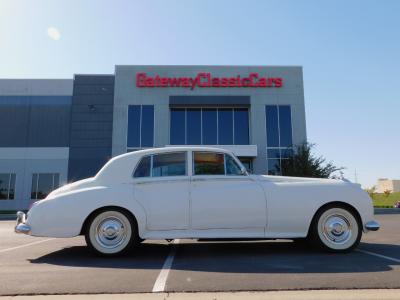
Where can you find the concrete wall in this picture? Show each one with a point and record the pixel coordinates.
(34, 130)
(291, 94)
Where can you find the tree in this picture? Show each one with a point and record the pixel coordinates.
(371, 191)
(387, 193)
(304, 164)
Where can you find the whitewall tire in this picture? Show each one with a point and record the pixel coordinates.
(110, 233)
(336, 229)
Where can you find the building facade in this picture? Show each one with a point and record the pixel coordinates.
(58, 131)
(385, 184)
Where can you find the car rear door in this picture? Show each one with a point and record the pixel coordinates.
(222, 197)
(161, 185)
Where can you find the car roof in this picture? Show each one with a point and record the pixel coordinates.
(175, 149)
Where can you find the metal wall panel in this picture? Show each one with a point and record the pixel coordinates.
(91, 125)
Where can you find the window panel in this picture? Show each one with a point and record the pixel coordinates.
(11, 191)
(273, 166)
(134, 126)
(169, 164)
(285, 126)
(241, 126)
(34, 186)
(271, 113)
(225, 126)
(43, 184)
(209, 124)
(193, 123)
(232, 168)
(143, 169)
(208, 163)
(147, 130)
(273, 153)
(7, 186)
(177, 128)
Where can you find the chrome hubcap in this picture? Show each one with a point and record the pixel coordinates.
(111, 232)
(337, 229)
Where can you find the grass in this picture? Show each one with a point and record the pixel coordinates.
(383, 201)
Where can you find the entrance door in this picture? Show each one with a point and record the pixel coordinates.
(222, 197)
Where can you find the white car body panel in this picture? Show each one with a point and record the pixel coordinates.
(240, 206)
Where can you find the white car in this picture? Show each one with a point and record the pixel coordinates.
(198, 192)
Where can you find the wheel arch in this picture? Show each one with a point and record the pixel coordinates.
(341, 204)
(105, 208)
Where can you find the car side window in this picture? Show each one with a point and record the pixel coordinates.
(169, 164)
(232, 168)
(143, 168)
(208, 163)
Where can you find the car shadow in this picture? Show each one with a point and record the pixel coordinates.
(228, 257)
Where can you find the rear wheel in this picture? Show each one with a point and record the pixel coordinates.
(336, 229)
(111, 233)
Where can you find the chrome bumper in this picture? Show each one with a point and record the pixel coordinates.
(372, 226)
(21, 227)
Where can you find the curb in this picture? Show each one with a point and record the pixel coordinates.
(8, 217)
(386, 211)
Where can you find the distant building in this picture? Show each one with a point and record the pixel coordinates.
(384, 184)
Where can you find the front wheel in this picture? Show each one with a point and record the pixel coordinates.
(111, 233)
(336, 229)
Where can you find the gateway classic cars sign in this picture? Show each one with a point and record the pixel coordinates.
(207, 80)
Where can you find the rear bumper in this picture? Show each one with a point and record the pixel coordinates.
(21, 226)
(372, 226)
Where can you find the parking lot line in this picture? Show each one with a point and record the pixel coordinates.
(379, 255)
(159, 285)
(25, 245)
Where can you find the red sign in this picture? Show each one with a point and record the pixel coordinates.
(206, 80)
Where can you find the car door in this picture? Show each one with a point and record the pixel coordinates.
(161, 185)
(222, 197)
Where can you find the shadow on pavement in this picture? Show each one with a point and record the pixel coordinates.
(242, 257)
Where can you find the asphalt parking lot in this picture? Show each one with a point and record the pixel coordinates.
(64, 266)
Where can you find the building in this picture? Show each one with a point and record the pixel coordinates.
(390, 185)
(58, 131)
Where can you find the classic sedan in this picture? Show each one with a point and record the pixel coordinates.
(198, 192)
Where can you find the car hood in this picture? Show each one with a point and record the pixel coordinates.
(288, 179)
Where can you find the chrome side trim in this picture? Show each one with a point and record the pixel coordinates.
(372, 226)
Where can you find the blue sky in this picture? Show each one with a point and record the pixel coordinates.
(349, 50)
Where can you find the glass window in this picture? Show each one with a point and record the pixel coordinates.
(232, 168)
(271, 114)
(286, 153)
(193, 123)
(247, 163)
(140, 126)
(274, 167)
(143, 169)
(273, 153)
(285, 126)
(169, 164)
(177, 129)
(134, 126)
(241, 126)
(7, 186)
(147, 130)
(208, 163)
(209, 126)
(225, 126)
(43, 184)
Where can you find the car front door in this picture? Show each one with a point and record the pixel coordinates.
(222, 197)
(161, 185)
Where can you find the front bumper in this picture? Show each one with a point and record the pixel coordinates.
(372, 226)
(21, 226)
